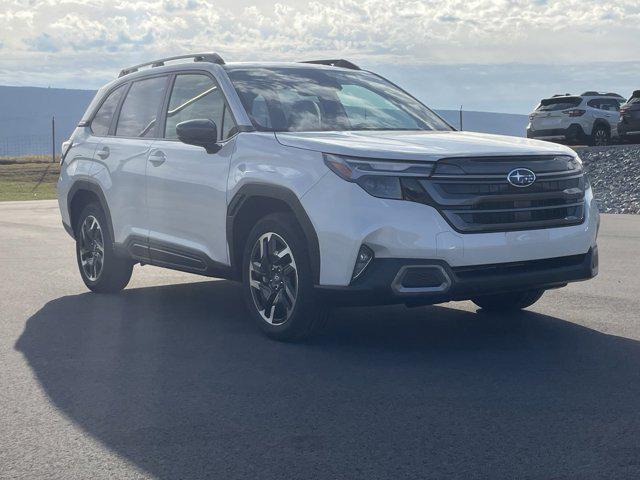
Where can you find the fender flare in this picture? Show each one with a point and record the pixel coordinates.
(251, 190)
(93, 187)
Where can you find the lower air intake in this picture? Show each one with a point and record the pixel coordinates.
(419, 278)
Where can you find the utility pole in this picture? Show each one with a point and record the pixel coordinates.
(460, 117)
(53, 139)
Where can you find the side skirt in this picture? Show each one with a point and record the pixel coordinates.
(173, 257)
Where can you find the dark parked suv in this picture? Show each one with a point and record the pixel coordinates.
(629, 123)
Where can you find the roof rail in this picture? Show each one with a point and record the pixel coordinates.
(335, 63)
(561, 95)
(197, 57)
(612, 94)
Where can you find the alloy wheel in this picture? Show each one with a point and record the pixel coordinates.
(600, 138)
(91, 248)
(273, 278)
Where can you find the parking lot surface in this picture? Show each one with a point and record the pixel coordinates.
(171, 380)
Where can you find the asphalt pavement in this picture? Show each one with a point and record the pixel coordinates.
(171, 380)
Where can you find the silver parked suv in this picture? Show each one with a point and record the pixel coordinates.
(313, 184)
(590, 118)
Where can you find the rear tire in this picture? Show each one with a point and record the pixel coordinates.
(600, 137)
(278, 282)
(100, 268)
(505, 302)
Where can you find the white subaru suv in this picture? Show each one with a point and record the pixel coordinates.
(316, 184)
(590, 118)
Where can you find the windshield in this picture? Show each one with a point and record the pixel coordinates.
(294, 99)
(559, 103)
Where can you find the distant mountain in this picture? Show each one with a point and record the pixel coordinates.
(26, 112)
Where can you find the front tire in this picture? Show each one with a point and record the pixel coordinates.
(100, 268)
(505, 302)
(277, 280)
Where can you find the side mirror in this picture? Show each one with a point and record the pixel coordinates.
(200, 132)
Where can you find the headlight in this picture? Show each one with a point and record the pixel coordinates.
(380, 178)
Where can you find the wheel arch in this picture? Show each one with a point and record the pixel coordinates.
(82, 192)
(253, 201)
(600, 123)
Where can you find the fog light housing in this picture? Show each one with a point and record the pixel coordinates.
(365, 255)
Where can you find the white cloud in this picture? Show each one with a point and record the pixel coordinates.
(87, 41)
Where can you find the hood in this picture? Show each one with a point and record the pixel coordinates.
(427, 145)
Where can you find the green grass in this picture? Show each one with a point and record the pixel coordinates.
(18, 181)
(27, 159)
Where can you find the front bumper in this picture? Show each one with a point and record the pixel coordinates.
(396, 229)
(386, 281)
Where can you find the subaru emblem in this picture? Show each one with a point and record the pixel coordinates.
(521, 177)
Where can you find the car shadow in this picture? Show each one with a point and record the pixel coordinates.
(177, 380)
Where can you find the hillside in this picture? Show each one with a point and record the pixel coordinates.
(25, 118)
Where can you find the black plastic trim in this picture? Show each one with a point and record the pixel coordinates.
(251, 190)
(376, 286)
(92, 187)
(174, 257)
(573, 132)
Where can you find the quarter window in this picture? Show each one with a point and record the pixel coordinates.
(196, 96)
(605, 104)
(139, 112)
(102, 120)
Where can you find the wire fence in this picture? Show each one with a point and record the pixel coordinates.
(25, 146)
(45, 144)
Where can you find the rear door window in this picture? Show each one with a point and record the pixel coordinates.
(608, 104)
(597, 103)
(102, 119)
(139, 112)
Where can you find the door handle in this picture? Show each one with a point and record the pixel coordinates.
(103, 153)
(157, 158)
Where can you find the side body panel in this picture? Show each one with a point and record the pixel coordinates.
(187, 197)
(260, 158)
(122, 177)
(78, 166)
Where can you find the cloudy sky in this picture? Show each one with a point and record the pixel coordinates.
(494, 55)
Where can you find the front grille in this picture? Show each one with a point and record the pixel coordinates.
(474, 196)
(478, 272)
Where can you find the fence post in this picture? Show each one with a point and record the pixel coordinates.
(53, 139)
